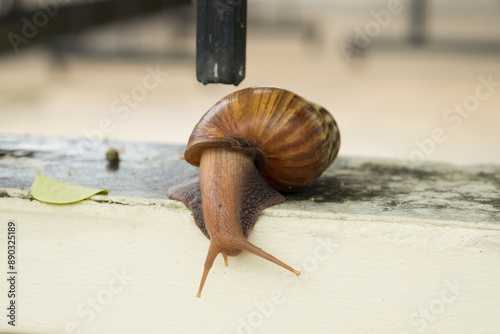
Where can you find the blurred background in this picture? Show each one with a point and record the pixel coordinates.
(412, 80)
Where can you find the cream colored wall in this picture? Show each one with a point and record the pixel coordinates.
(133, 266)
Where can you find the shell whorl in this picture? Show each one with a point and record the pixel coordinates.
(293, 140)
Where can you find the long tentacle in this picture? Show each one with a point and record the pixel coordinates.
(248, 246)
(213, 251)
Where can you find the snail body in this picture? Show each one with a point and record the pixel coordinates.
(250, 146)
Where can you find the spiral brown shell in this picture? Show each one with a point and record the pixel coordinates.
(293, 140)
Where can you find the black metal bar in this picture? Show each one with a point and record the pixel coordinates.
(221, 41)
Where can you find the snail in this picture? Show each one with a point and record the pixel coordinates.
(250, 146)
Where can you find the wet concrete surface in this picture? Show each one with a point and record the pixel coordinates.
(352, 185)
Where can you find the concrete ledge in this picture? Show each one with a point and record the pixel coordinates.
(415, 252)
(353, 185)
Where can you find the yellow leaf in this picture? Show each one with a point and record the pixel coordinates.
(53, 191)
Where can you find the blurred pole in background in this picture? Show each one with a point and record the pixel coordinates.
(417, 21)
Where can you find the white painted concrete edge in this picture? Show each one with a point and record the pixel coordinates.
(131, 265)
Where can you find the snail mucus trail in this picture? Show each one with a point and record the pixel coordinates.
(250, 146)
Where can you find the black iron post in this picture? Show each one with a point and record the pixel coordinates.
(221, 41)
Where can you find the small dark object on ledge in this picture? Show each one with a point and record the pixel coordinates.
(113, 157)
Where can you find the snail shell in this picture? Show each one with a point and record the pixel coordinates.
(293, 140)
